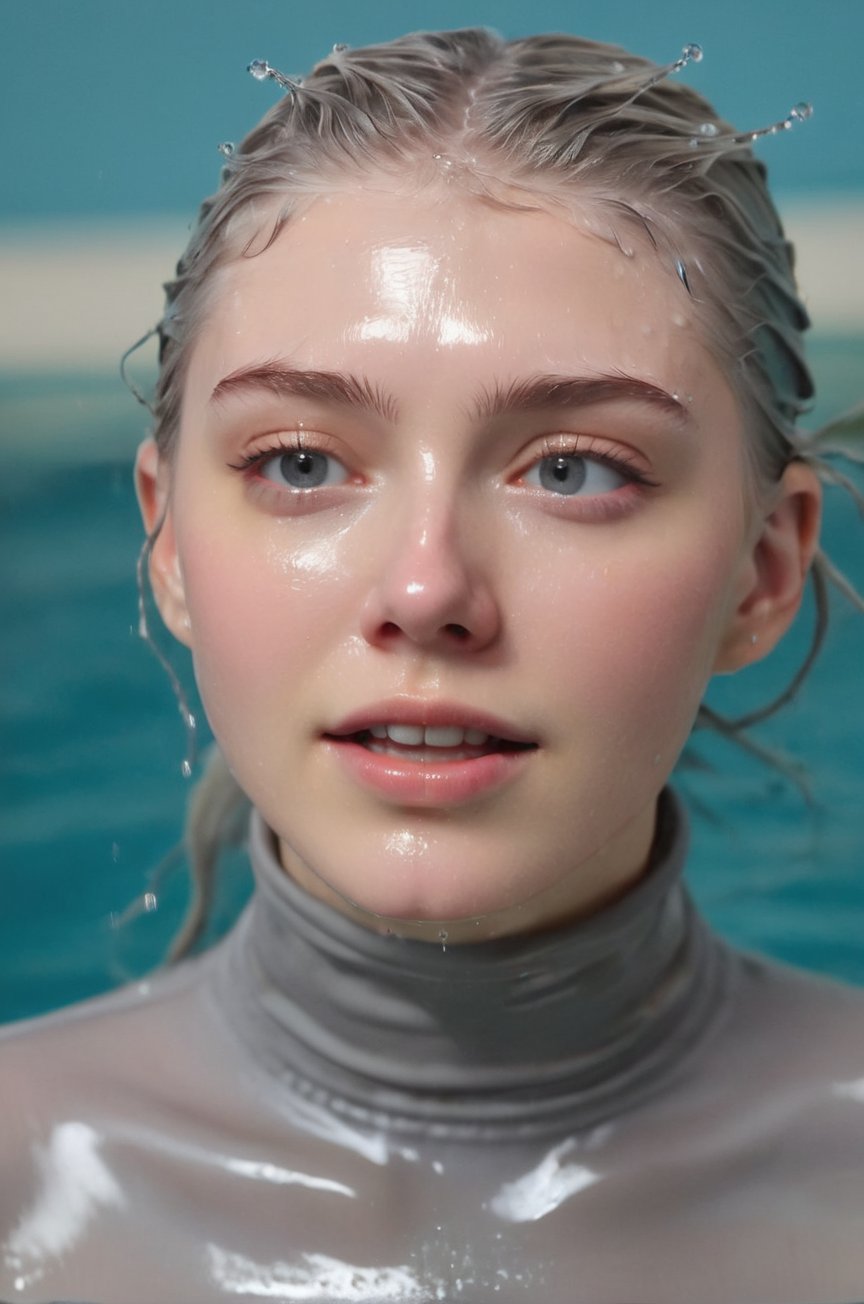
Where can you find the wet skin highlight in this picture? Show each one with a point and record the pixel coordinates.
(525, 497)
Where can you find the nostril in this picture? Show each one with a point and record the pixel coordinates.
(458, 631)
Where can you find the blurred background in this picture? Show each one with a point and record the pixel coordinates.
(112, 111)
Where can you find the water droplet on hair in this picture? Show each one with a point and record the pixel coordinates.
(442, 938)
(709, 129)
(616, 66)
(151, 902)
(339, 47)
(186, 769)
(693, 52)
(801, 111)
(259, 68)
(226, 148)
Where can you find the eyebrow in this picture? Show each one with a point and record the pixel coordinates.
(286, 381)
(551, 392)
(560, 392)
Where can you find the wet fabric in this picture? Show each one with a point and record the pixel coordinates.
(622, 1110)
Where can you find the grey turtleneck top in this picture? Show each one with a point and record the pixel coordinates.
(624, 1111)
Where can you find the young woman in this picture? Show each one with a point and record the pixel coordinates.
(474, 459)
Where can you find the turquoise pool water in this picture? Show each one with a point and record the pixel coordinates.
(92, 797)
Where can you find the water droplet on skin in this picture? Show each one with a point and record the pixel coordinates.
(226, 148)
(709, 129)
(259, 68)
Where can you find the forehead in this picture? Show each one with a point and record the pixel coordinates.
(439, 286)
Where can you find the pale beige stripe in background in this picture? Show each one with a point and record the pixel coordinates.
(74, 295)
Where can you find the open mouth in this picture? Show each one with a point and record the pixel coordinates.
(425, 745)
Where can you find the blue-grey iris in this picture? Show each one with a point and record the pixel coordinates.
(304, 470)
(563, 474)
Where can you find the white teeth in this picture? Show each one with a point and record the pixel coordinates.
(408, 734)
(444, 736)
(414, 735)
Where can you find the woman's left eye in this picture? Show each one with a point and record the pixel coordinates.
(570, 473)
(302, 468)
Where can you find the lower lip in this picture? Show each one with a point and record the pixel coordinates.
(428, 783)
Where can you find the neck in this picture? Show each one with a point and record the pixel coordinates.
(561, 1029)
(589, 887)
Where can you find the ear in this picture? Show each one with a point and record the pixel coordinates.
(166, 579)
(773, 581)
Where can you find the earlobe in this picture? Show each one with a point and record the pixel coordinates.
(166, 579)
(777, 569)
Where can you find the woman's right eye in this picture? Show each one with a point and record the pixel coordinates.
(302, 468)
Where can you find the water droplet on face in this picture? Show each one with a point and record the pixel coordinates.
(226, 148)
(259, 68)
(709, 129)
(692, 52)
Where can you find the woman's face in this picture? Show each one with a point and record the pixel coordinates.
(448, 466)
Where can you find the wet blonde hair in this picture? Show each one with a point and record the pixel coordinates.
(555, 122)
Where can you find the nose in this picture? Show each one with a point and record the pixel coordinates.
(433, 590)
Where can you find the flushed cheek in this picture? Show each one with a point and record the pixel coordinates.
(631, 646)
(262, 612)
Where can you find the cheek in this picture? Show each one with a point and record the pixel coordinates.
(630, 638)
(261, 607)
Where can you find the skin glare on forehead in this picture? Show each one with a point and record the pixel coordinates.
(390, 288)
(602, 652)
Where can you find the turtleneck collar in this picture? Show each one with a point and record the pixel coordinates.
(560, 1030)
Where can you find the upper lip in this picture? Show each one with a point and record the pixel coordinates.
(404, 710)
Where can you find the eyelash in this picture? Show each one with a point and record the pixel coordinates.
(282, 444)
(585, 446)
(582, 446)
